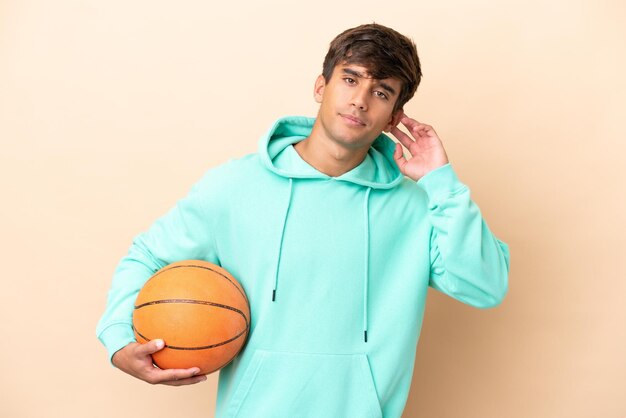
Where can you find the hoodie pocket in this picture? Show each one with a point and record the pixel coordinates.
(305, 385)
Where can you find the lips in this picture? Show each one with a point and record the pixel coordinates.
(352, 120)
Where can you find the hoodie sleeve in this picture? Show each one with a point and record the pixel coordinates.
(185, 232)
(468, 262)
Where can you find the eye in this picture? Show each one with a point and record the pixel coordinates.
(349, 80)
(380, 94)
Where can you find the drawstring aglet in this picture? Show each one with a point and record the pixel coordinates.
(365, 332)
(273, 295)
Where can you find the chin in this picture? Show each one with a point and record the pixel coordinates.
(348, 137)
(351, 142)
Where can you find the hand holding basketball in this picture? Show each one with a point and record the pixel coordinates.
(199, 310)
(136, 360)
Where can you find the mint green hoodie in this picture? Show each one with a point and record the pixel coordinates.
(336, 270)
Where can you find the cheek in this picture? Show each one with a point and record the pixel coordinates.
(385, 114)
(339, 96)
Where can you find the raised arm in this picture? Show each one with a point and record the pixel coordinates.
(467, 261)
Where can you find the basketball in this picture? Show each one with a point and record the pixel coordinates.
(199, 310)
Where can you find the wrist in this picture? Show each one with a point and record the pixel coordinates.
(441, 181)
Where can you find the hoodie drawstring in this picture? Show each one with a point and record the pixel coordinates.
(366, 251)
(282, 235)
(366, 217)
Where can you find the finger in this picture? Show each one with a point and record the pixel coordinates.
(170, 375)
(150, 347)
(398, 156)
(429, 131)
(402, 137)
(415, 127)
(188, 381)
(424, 131)
(410, 123)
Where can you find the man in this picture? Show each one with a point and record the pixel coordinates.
(335, 237)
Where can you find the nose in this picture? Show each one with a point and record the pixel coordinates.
(359, 98)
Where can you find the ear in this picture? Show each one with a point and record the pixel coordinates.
(395, 119)
(318, 92)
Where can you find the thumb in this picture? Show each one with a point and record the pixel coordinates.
(398, 155)
(151, 346)
(397, 151)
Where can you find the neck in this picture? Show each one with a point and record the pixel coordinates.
(329, 157)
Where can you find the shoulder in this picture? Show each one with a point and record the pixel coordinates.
(234, 173)
(233, 169)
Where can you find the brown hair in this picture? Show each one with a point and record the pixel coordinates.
(383, 51)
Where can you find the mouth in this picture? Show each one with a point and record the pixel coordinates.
(352, 120)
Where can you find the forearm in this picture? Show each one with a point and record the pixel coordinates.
(468, 262)
(114, 329)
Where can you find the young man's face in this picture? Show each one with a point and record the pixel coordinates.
(356, 108)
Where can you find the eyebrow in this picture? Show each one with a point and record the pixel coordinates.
(384, 85)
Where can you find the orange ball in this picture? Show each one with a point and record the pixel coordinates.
(199, 310)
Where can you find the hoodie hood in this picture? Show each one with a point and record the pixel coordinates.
(378, 170)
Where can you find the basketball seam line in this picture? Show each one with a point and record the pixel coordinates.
(173, 347)
(206, 268)
(197, 302)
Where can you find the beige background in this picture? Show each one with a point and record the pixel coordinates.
(110, 110)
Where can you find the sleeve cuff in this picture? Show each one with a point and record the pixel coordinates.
(116, 337)
(440, 181)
